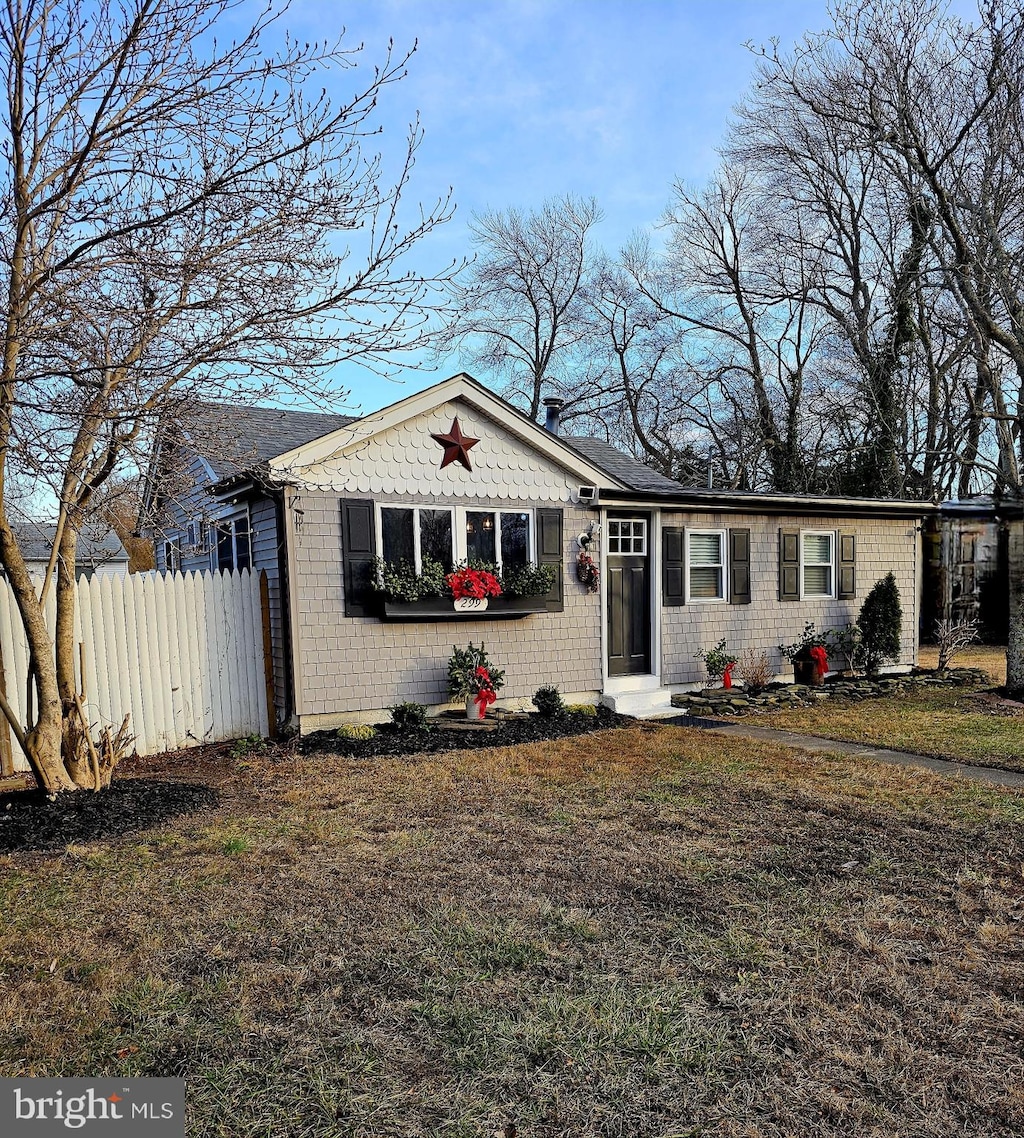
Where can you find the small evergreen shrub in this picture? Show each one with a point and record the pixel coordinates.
(356, 731)
(548, 701)
(880, 623)
(410, 716)
(581, 709)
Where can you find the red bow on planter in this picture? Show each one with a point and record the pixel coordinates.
(484, 698)
(727, 675)
(820, 658)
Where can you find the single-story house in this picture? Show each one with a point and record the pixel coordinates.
(99, 551)
(455, 474)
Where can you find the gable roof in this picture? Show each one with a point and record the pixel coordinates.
(97, 544)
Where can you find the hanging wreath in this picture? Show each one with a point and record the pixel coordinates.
(587, 571)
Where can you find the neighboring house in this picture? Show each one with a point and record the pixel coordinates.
(458, 473)
(99, 550)
(966, 567)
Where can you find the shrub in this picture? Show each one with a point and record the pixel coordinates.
(548, 701)
(952, 637)
(400, 581)
(581, 709)
(411, 716)
(847, 642)
(716, 659)
(356, 731)
(880, 622)
(755, 670)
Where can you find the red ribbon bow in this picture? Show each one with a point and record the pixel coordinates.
(727, 675)
(820, 658)
(484, 698)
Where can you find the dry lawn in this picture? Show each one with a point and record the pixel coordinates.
(987, 656)
(647, 932)
(965, 725)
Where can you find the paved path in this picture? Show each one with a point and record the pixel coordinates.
(995, 776)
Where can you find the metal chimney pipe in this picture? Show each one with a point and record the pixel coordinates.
(553, 413)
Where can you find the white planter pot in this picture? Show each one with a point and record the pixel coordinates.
(470, 604)
(475, 710)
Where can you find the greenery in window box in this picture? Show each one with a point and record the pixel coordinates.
(400, 581)
(527, 580)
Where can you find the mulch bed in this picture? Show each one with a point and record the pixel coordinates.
(29, 821)
(434, 739)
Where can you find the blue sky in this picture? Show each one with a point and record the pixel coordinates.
(522, 100)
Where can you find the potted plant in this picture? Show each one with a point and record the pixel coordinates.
(472, 676)
(808, 656)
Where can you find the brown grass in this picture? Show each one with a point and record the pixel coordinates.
(989, 657)
(651, 932)
(966, 725)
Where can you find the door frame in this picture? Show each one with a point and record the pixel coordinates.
(644, 681)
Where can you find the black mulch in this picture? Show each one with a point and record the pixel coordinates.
(391, 740)
(29, 821)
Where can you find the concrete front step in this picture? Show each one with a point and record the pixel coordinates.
(641, 704)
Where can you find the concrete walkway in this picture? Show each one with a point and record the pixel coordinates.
(994, 776)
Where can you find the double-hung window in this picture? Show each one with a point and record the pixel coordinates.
(705, 565)
(817, 563)
(231, 546)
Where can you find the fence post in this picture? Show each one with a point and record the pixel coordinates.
(268, 655)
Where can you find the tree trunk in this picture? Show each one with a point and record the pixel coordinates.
(1015, 638)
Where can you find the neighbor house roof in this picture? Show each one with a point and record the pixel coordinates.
(97, 544)
(236, 439)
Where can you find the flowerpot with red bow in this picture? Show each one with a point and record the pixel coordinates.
(472, 676)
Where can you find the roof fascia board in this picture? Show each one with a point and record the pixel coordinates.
(783, 505)
(461, 386)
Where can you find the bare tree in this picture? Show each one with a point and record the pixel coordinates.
(184, 218)
(941, 103)
(520, 308)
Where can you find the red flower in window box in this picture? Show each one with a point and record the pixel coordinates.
(474, 583)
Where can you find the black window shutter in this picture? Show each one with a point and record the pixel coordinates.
(739, 567)
(673, 566)
(789, 565)
(847, 566)
(549, 552)
(359, 546)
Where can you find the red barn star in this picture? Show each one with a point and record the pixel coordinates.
(456, 446)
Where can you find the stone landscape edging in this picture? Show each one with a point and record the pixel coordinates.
(718, 701)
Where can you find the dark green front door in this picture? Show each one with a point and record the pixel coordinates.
(629, 596)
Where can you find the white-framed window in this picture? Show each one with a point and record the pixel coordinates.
(817, 563)
(627, 535)
(195, 535)
(172, 554)
(231, 542)
(705, 565)
(451, 534)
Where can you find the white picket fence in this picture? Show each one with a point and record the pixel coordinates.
(181, 654)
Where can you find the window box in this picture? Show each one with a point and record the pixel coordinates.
(442, 608)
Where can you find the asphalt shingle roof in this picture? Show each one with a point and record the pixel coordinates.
(236, 439)
(97, 545)
(621, 465)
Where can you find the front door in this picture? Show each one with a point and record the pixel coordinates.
(629, 595)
